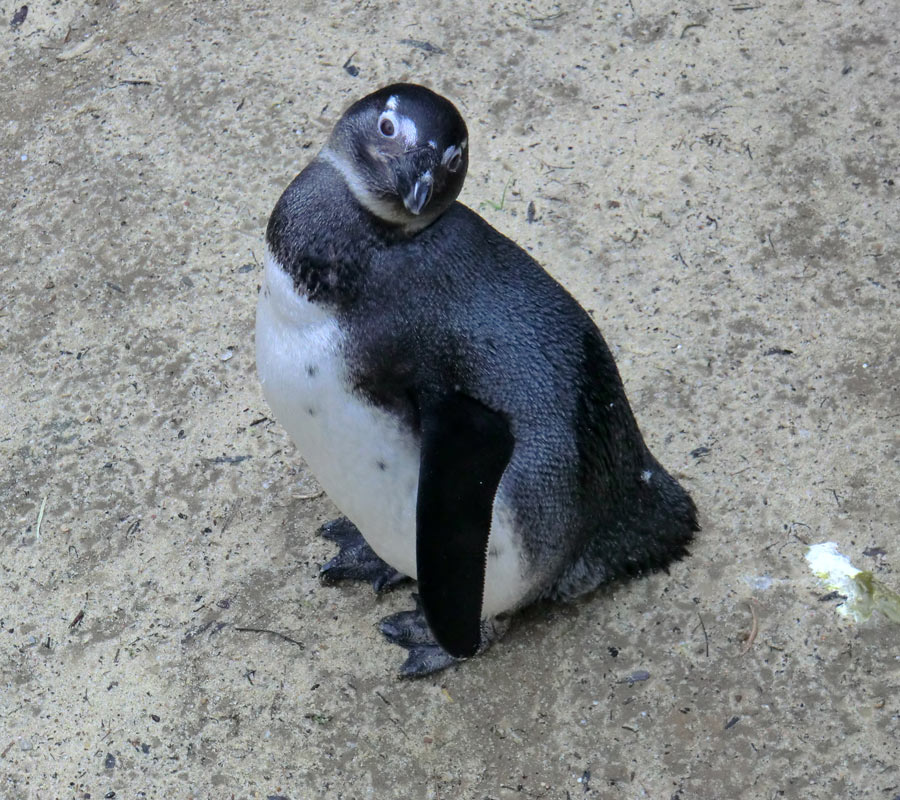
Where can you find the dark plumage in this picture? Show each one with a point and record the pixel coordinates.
(452, 322)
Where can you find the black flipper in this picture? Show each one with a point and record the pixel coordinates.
(465, 449)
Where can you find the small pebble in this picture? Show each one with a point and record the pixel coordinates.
(636, 677)
(19, 17)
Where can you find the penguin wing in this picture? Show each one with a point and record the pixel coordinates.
(465, 448)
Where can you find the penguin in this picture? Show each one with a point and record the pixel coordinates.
(455, 402)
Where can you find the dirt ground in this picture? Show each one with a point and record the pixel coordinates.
(717, 184)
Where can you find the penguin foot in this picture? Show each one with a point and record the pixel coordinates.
(356, 560)
(409, 630)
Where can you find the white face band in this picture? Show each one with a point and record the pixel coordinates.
(369, 200)
(403, 127)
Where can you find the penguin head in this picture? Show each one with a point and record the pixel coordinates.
(403, 152)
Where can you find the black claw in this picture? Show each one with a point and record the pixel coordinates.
(356, 560)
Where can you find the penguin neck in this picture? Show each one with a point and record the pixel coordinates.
(322, 237)
(393, 219)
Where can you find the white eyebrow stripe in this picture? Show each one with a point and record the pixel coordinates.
(408, 130)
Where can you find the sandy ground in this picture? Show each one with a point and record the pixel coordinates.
(716, 183)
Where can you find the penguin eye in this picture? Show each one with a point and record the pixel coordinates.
(455, 161)
(386, 126)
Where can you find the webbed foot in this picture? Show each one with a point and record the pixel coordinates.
(409, 630)
(356, 560)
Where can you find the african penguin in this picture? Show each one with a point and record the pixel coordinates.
(454, 401)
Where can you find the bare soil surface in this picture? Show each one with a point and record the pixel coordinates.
(717, 184)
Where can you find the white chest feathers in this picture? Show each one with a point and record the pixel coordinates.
(366, 461)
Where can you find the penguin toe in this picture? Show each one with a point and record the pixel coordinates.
(356, 561)
(350, 567)
(426, 660)
(341, 531)
(388, 579)
(409, 630)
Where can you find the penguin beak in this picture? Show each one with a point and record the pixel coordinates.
(414, 178)
(417, 196)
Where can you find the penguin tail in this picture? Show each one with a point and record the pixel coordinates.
(643, 528)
